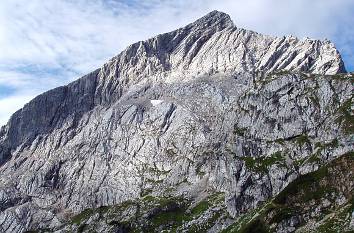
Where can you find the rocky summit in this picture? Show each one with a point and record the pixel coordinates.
(208, 128)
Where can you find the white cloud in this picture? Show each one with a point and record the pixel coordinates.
(48, 43)
(12, 104)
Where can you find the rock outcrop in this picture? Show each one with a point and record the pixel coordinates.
(209, 110)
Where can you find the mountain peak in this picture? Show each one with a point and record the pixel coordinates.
(214, 18)
(209, 121)
(213, 44)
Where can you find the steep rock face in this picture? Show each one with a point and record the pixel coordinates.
(47, 112)
(199, 110)
(210, 45)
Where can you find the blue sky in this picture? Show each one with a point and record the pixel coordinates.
(44, 44)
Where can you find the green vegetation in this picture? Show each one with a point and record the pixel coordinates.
(333, 144)
(274, 76)
(209, 223)
(302, 196)
(282, 72)
(302, 140)
(346, 117)
(312, 187)
(154, 181)
(150, 213)
(261, 164)
(313, 158)
(145, 192)
(176, 214)
(255, 226)
(280, 141)
(304, 185)
(239, 131)
(343, 77)
(200, 208)
(156, 171)
(199, 172)
(334, 222)
(149, 198)
(173, 217)
(86, 214)
(171, 153)
(267, 79)
(281, 213)
(315, 100)
(253, 221)
(316, 157)
(319, 148)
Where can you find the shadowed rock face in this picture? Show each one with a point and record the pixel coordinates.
(207, 108)
(48, 112)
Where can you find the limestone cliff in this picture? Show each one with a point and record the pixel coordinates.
(206, 123)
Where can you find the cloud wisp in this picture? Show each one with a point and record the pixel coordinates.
(45, 44)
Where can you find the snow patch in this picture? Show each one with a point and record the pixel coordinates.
(156, 102)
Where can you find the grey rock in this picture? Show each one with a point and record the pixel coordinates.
(208, 107)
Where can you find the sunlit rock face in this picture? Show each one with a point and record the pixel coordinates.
(207, 109)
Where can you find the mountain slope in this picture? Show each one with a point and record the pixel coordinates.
(206, 111)
(317, 195)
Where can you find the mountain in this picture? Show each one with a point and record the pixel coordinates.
(208, 128)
